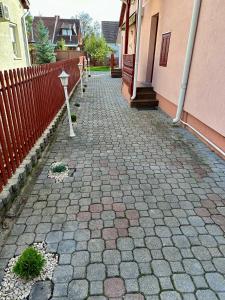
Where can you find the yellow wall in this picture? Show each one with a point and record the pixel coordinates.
(7, 57)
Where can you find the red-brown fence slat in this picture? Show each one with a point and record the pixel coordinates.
(18, 153)
(18, 115)
(22, 112)
(8, 126)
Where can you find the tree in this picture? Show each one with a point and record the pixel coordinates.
(96, 47)
(86, 24)
(61, 45)
(96, 28)
(29, 24)
(44, 48)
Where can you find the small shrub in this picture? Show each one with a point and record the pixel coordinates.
(29, 264)
(73, 118)
(59, 168)
(77, 104)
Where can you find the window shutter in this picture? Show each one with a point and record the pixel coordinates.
(165, 49)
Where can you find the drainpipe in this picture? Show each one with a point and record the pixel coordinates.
(137, 51)
(23, 20)
(188, 59)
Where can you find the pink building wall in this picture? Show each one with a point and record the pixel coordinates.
(205, 99)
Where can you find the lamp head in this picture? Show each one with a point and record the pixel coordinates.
(64, 77)
(80, 66)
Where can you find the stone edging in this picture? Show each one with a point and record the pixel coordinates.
(18, 180)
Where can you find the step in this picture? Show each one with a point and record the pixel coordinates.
(146, 95)
(145, 103)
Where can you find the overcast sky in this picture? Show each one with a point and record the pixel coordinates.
(101, 10)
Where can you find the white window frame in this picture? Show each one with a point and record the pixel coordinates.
(14, 40)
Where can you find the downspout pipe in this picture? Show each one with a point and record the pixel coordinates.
(137, 51)
(188, 59)
(25, 38)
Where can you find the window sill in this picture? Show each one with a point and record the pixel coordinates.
(17, 58)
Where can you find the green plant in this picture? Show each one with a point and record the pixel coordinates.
(73, 118)
(59, 168)
(96, 47)
(44, 48)
(29, 264)
(61, 45)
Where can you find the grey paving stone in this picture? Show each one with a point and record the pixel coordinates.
(67, 246)
(149, 285)
(63, 273)
(96, 245)
(96, 272)
(78, 289)
(193, 267)
(80, 258)
(170, 295)
(142, 255)
(41, 290)
(125, 243)
(129, 270)
(206, 295)
(183, 283)
(54, 237)
(161, 268)
(111, 257)
(82, 235)
(216, 281)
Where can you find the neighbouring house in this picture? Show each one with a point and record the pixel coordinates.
(14, 51)
(67, 29)
(173, 57)
(109, 30)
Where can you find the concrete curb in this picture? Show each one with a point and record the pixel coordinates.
(18, 180)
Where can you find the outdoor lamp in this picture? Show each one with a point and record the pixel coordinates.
(89, 67)
(80, 66)
(64, 77)
(86, 70)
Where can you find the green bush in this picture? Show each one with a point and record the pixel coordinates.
(59, 168)
(29, 264)
(73, 118)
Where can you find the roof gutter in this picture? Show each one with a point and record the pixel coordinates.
(137, 52)
(188, 59)
(26, 45)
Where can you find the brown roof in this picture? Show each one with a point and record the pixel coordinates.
(110, 31)
(25, 3)
(55, 26)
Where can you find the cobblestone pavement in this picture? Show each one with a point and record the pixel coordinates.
(143, 215)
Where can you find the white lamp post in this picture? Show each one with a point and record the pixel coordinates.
(64, 77)
(89, 67)
(86, 71)
(80, 66)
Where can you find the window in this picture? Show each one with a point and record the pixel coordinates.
(14, 40)
(165, 49)
(67, 32)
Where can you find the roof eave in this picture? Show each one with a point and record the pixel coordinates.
(25, 4)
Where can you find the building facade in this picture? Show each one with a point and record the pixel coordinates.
(14, 51)
(174, 33)
(67, 29)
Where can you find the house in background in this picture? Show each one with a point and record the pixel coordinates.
(175, 60)
(109, 30)
(67, 29)
(14, 51)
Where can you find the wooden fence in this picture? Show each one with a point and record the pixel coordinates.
(128, 71)
(30, 98)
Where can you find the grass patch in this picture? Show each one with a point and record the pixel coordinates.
(100, 68)
(30, 264)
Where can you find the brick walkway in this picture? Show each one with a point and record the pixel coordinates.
(143, 216)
